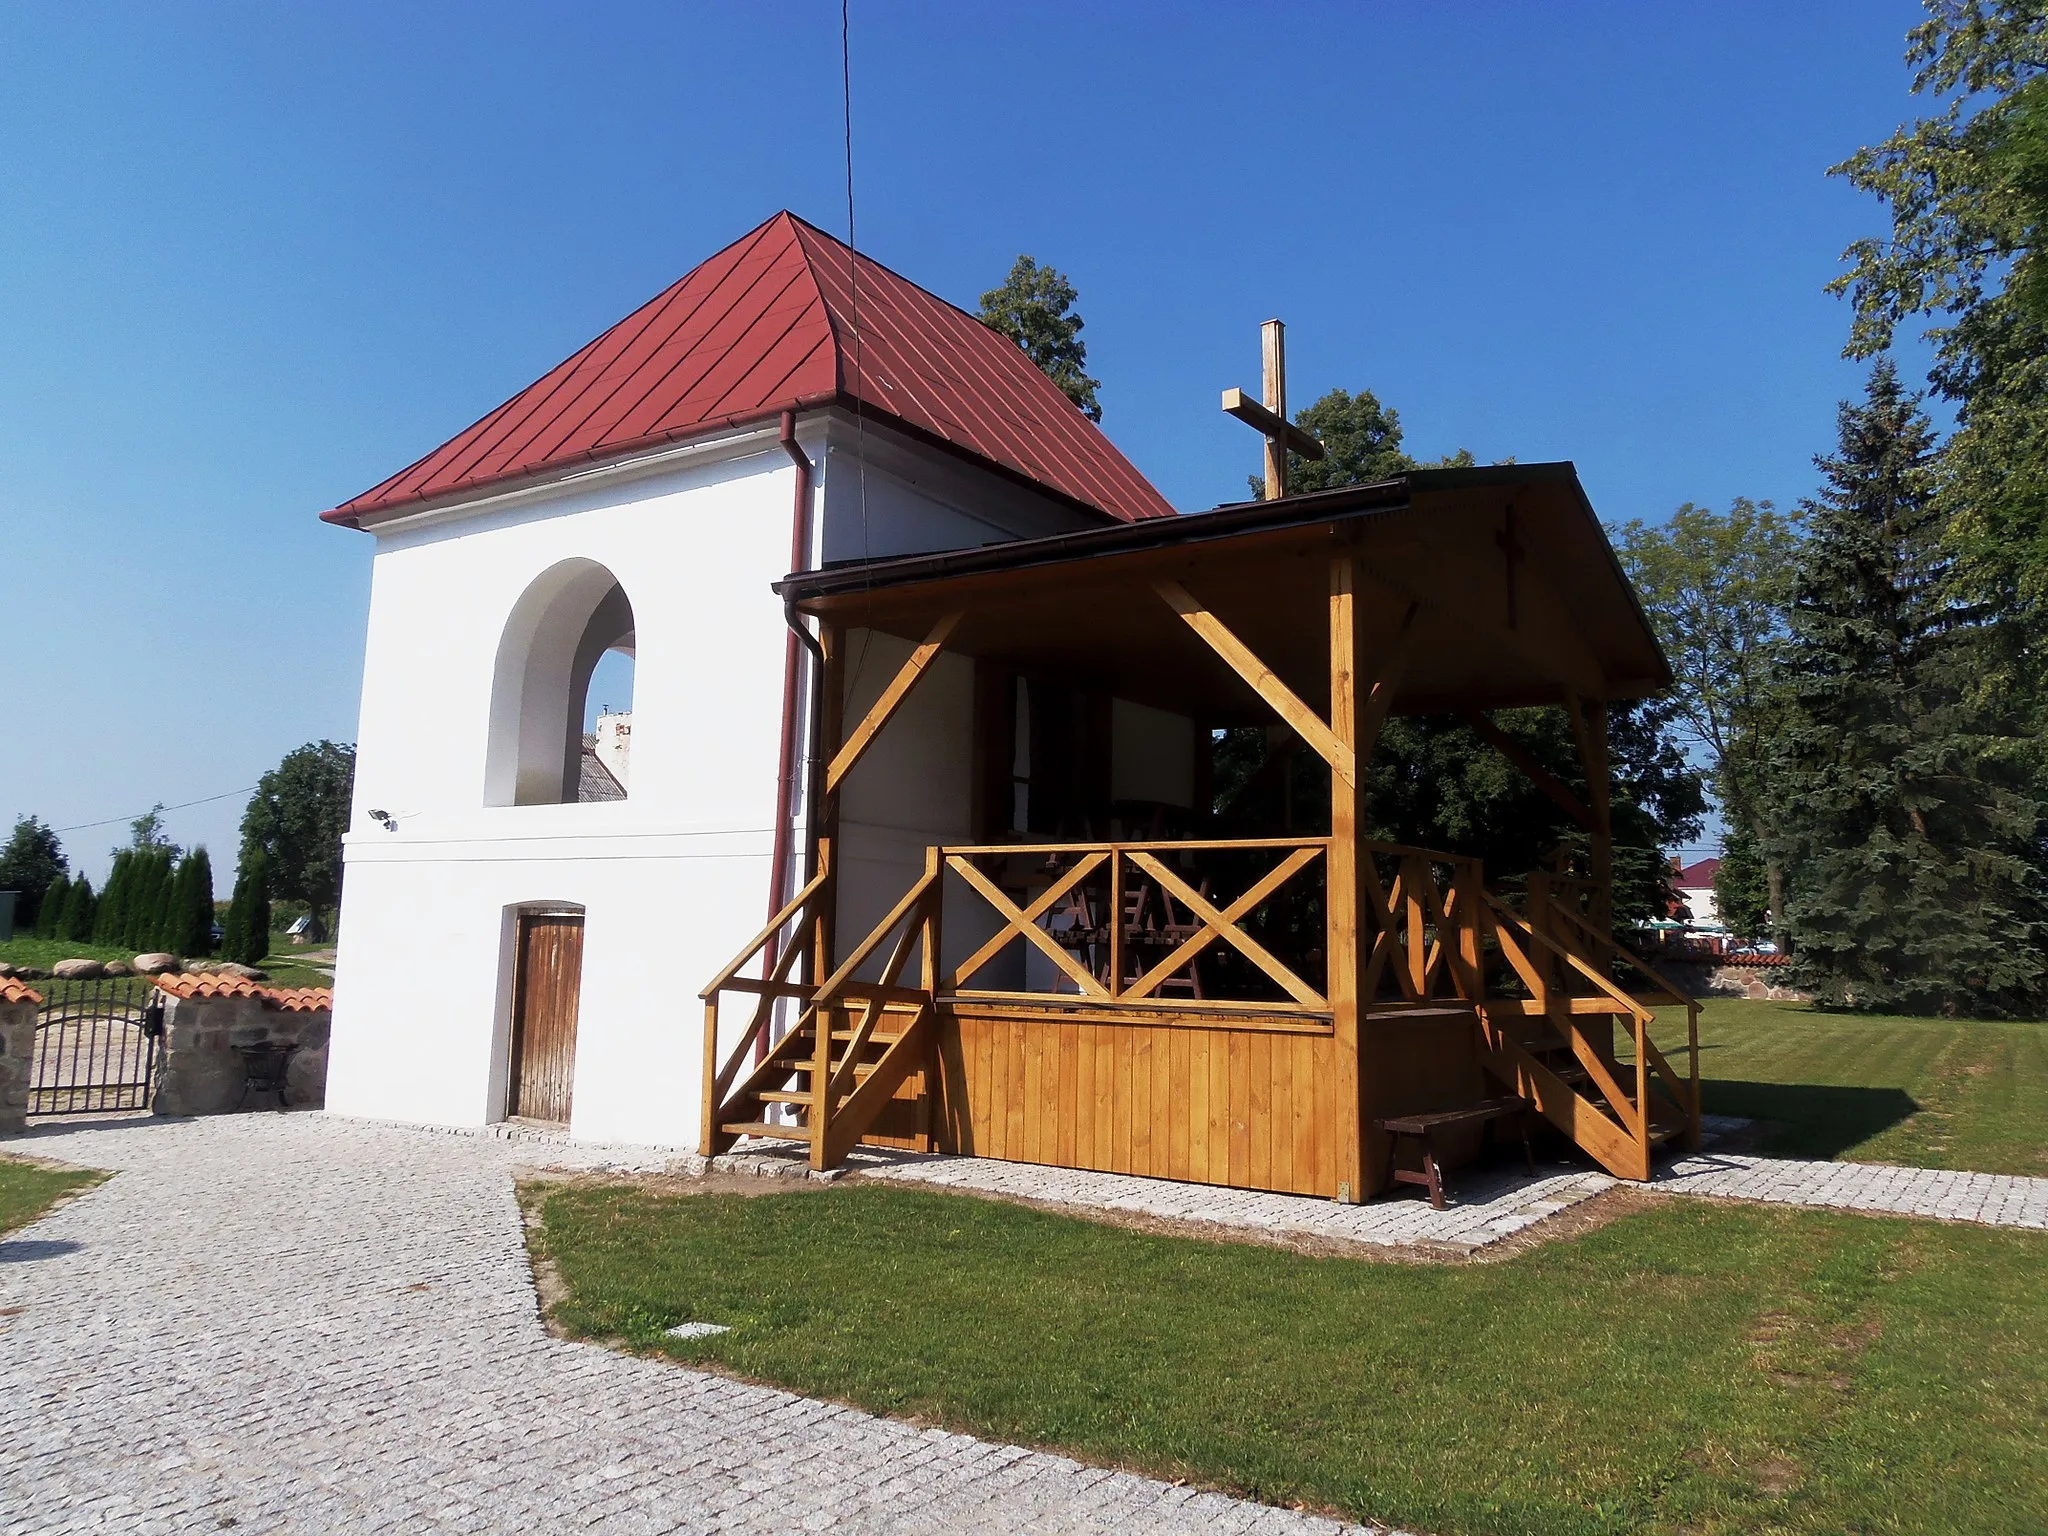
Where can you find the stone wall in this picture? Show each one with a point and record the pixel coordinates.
(17, 1055)
(201, 1070)
(1758, 982)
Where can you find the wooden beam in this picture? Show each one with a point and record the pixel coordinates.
(1522, 758)
(1254, 415)
(1261, 679)
(1379, 699)
(892, 698)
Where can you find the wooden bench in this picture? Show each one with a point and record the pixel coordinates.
(1424, 1128)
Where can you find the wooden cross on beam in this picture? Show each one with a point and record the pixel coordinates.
(1270, 418)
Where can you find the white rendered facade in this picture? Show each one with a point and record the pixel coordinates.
(673, 879)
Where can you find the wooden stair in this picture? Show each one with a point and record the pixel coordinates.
(787, 1079)
(1622, 1114)
(828, 1079)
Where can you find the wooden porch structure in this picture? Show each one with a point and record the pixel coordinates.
(1239, 1011)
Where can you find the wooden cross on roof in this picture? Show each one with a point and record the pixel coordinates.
(1270, 418)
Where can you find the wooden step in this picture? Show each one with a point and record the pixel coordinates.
(762, 1128)
(781, 1096)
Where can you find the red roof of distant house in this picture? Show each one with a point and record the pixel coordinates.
(1697, 877)
(768, 325)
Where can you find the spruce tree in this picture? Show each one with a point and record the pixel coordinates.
(145, 901)
(50, 911)
(1910, 846)
(76, 923)
(247, 930)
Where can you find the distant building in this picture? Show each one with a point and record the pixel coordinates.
(614, 744)
(1695, 886)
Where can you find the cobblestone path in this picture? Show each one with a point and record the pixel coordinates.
(290, 1323)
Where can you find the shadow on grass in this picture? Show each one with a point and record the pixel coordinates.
(1810, 1119)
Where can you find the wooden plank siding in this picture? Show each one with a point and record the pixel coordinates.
(1210, 1102)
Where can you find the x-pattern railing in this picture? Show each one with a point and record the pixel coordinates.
(1107, 880)
(1422, 909)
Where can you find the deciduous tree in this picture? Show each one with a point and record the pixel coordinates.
(298, 817)
(1967, 194)
(1034, 308)
(29, 864)
(1716, 586)
(1362, 442)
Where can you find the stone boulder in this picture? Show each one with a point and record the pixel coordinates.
(78, 970)
(157, 964)
(246, 972)
(6, 970)
(31, 973)
(119, 968)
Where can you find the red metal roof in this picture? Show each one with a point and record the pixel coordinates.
(1697, 877)
(768, 325)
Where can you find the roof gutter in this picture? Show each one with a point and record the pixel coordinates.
(785, 783)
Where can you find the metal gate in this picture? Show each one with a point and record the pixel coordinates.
(96, 1045)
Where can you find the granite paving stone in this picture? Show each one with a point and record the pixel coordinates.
(298, 1322)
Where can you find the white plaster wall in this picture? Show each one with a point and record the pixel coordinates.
(1699, 900)
(912, 789)
(674, 879)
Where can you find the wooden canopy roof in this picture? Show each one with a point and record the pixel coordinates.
(1516, 595)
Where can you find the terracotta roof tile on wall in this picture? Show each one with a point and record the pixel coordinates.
(220, 984)
(15, 990)
(785, 318)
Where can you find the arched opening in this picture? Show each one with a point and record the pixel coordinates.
(551, 741)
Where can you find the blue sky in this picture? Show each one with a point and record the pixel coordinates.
(253, 258)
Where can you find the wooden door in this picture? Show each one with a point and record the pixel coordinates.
(546, 982)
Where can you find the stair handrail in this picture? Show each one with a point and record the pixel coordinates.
(1685, 1091)
(776, 923)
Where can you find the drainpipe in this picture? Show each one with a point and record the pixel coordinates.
(785, 792)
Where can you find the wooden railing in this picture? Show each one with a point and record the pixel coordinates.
(1422, 911)
(1565, 964)
(1122, 923)
(828, 1046)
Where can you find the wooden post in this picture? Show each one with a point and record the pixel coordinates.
(928, 979)
(707, 1132)
(1692, 1050)
(831, 716)
(1116, 922)
(1273, 344)
(1348, 1125)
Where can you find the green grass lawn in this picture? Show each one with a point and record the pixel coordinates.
(1693, 1367)
(1933, 1093)
(27, 1189)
